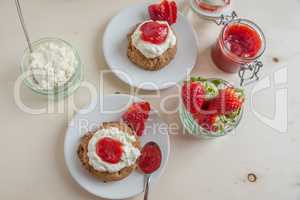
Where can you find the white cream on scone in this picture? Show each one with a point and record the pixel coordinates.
(150, 50)
(129, 156)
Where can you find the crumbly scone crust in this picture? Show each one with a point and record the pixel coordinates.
(82, 153)
(150, 64)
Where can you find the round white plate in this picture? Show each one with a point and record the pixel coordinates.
(111, 108)
(115, 45)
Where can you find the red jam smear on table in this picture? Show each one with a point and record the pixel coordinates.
(154, 32)
(240, 43)
(109, 150)
(150, 159)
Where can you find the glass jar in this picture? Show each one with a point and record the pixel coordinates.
(207, 6)
(208, 11)
(224, 57)
(193, 128)
(57, 93)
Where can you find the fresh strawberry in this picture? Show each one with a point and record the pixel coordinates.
(193, 94)
(207, 118)
(229, 100)
(136, 117)
(208, 121)
(174, 12)
(165, 11)
(154, 12)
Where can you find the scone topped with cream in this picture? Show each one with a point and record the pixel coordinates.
(111, 152)
(152, 45)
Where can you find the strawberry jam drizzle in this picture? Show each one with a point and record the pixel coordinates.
(154, 32)
(150, 159)
(109, 150)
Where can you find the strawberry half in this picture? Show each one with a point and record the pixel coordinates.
(229, 100)
(165, 11)
(208, 121)
(136, 117)
(193, 96)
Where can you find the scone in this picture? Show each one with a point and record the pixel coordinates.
(110, 153)
(152, 45)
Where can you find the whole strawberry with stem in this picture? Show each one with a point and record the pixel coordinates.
(229, 100)
(137, 116)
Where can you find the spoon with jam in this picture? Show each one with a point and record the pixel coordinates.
(149, 162)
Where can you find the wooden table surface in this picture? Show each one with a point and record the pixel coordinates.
(267, 142)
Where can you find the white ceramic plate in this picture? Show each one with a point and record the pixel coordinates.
(115, 51)
(110, 108)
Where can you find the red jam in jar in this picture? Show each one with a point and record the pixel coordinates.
(212, 5)
(239, 43)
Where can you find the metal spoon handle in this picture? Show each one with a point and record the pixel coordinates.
(147, 187)
(23, 24)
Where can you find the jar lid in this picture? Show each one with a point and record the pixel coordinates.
(211, 15)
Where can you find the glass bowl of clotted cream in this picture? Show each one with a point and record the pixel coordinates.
(53, 69)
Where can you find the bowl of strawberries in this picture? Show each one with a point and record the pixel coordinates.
(210, 108)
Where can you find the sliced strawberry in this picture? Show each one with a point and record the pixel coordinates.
(136, 117)
(229, 100)
(174, 12)
(207, 121)
(153, 11)
(145, 106)
(193, 95)
(208, 118)
(165, 11)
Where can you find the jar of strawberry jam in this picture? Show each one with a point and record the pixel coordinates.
(240, 42)
(212, 5)
(211, 10)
